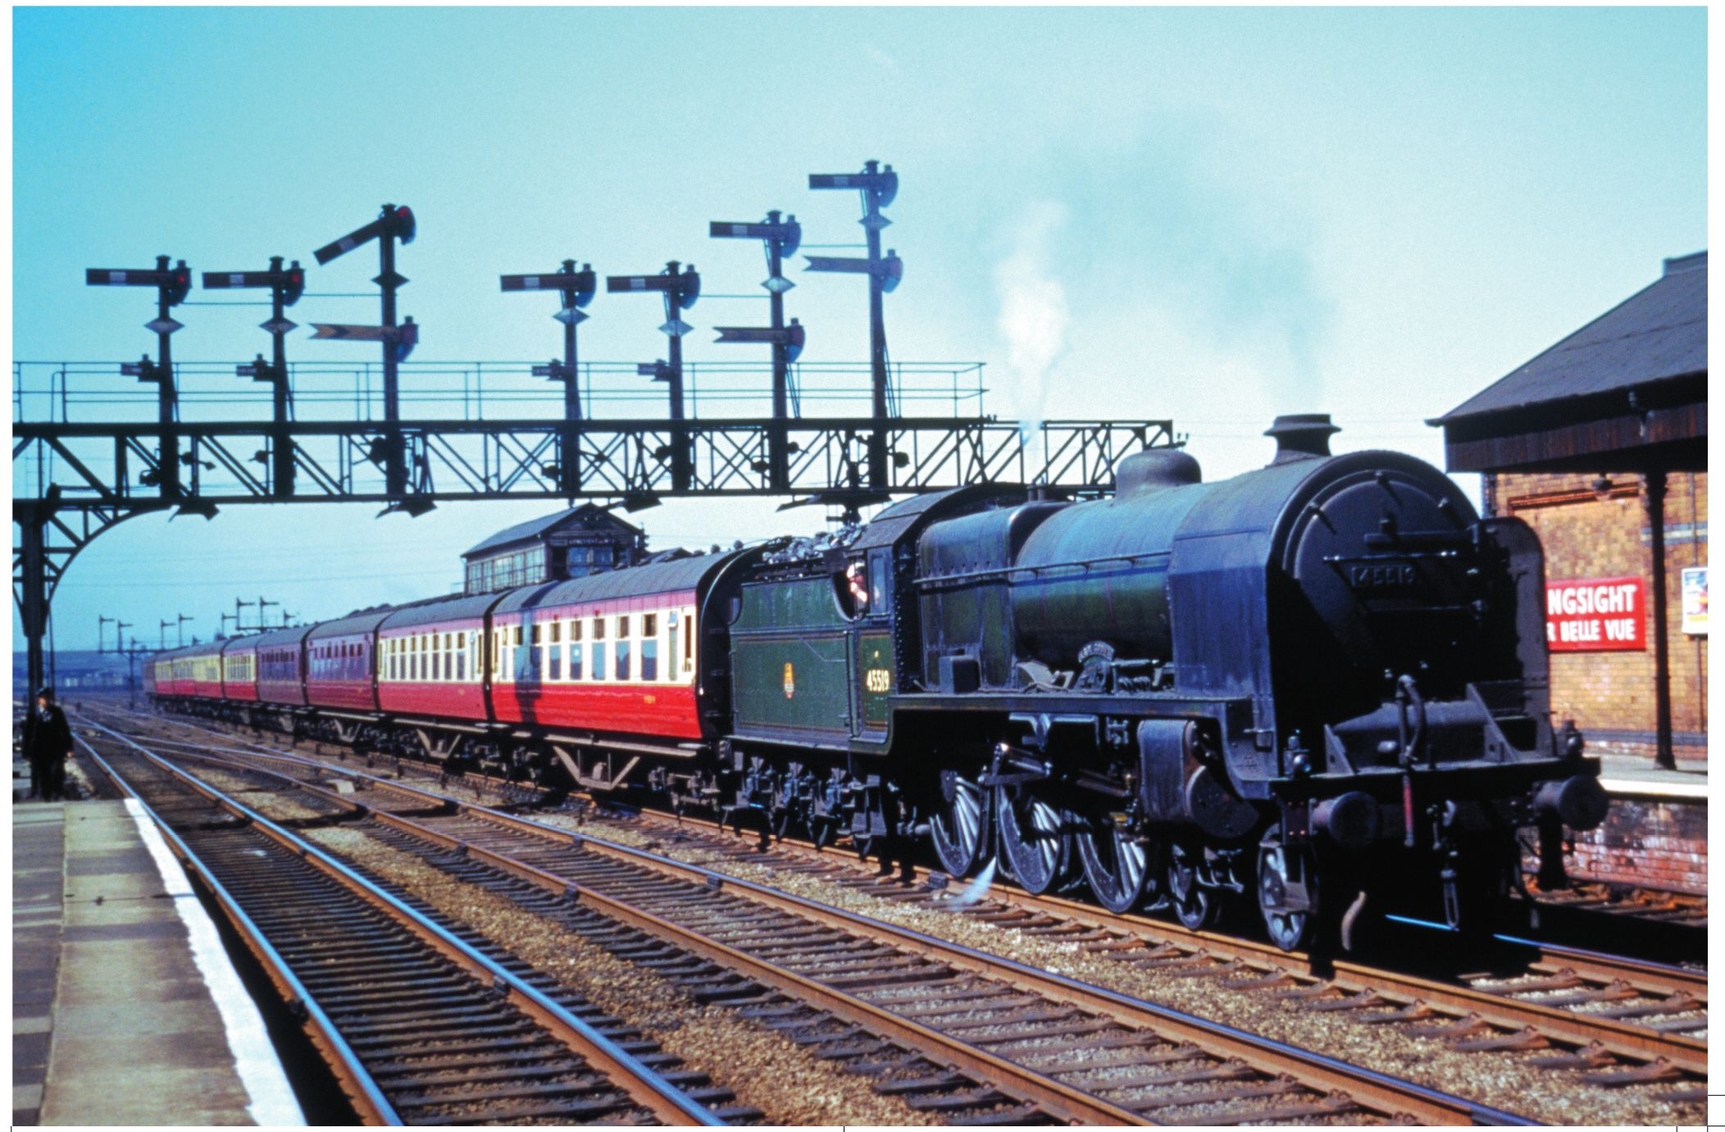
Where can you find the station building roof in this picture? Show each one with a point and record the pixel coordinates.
(1626, 392)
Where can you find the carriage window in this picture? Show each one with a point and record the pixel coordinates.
(622, 660)
(598, 662)
(598, 628)
(690, 628)
(575, 629)
(575, 658)
(649, 646)
(554, 669)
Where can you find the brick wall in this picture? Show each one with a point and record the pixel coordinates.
(1659, 844)
(1610, 694)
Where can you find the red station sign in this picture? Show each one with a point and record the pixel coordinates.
(1596, 615)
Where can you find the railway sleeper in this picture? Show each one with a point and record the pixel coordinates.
(518, 1114)
(853, 1050)
(1225, 1071)
(1333, 1104)
(1656, 1071)
(1017, 1114)
(945, 1008)
(1051, 1014)
(952, 1102)
(525, 1041)
(516, 1028)
(1590, 1056)
(480, 1071)
(1032, 1034)
(936, 1083)
(728, 992)
(586, 1085)
(1525, 1038)
(1135, 1047)
(1615, 991)
(1679, 1003)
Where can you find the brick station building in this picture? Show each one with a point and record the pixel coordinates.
(1600, 444)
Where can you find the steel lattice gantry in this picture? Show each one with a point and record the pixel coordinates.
(71, 480)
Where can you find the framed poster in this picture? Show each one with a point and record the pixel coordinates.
(1695, 600)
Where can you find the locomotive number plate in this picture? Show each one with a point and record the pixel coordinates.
(1379, 575)
(878, 680)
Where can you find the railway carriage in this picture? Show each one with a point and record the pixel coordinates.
(281, 666)
(431, 661)
(240, 669)
(198, 671)
(629, 663)
(338, 664)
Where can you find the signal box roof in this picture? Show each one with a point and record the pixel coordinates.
(544, 525)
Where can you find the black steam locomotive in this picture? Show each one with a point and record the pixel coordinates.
(1320, 680)
(1317, 686)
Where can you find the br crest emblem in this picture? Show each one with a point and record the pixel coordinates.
(790, 680)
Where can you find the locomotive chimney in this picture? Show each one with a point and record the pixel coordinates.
(1301, 436)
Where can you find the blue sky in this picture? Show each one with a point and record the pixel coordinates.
(1213, 215)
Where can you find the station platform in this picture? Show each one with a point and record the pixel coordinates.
(1630, 776)
(125, 1007)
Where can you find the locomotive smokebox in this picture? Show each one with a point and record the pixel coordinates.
(1300, 436)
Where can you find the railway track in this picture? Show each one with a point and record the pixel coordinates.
(949, 1027)
(1655, 905)
(1597, 1021)
(1615, 1007)
(419, 1025)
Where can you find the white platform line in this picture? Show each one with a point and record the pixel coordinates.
(255, 1060)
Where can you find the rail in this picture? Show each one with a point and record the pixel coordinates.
(645, 1086)
(1377, 1091)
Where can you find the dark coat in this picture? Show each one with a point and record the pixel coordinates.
(47, 739)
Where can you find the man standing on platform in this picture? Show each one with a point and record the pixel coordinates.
(47, 744)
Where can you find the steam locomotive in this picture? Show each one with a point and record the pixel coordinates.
(1315, 687)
